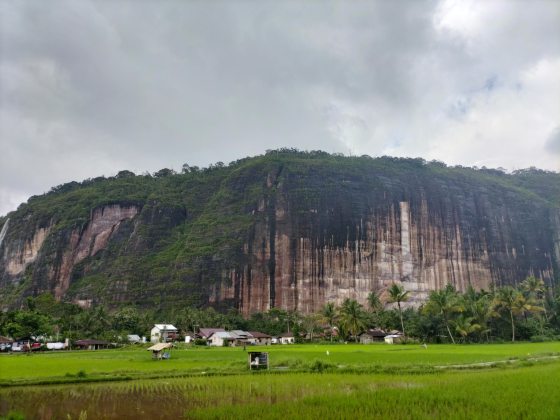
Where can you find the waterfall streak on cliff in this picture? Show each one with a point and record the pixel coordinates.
(4, 231)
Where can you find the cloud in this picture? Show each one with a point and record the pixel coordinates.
(552, 144)
(92, 87)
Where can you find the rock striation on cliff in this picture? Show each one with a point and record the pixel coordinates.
(288, 229)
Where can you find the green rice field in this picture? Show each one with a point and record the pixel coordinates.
(351, 381)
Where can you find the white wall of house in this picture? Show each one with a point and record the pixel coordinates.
(155, 335)
(158, 334)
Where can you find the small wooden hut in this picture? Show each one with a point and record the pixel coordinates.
(258, 360)
(158, 352)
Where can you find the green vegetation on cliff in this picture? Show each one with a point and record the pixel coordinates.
(192, 228)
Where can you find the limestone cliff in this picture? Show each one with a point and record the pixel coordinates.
(290, 230)
(19, 253)
(301, 256)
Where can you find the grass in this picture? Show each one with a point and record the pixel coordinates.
(135, 362)
(304, 382)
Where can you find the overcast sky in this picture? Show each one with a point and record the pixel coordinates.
(88, 88)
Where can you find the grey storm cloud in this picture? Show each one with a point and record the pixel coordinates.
(92, 87)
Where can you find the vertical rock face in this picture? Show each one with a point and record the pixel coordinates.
(59, 260)
(22, 253)
(299, 258)
(103, 223)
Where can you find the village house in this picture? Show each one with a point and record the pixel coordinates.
(163, 333)
(241, 338)
(134, 338)
(221, 338)
(371, 336)
(287, 338)
(205, 333)
(189, 337)
(394, 338)
(260, 338)
(92, 344)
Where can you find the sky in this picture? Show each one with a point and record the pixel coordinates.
(89, 88)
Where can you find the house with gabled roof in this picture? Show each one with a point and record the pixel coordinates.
(287, 338)
(163, 333)
(260, 338)
(372, 335)
(205, 333)
(221, 338)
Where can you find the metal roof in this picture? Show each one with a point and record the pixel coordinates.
(166, 327)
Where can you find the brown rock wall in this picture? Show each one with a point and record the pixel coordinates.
(393, 247)
(20, 255)
(103, 223)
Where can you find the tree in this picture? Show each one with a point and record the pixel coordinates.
(127, 319)
(533, 289)
(443, 302)
(29, 324)
(397, 294)
(329, 315)
(464, 326)
(125, 174)
(509, 300)
(479, 306)
(352, 317)
(374, 302)
(164, 172)
(310, 323)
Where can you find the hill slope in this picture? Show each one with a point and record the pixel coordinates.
(288, 229)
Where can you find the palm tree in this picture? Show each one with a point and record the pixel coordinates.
(465, 326)
(352, 317)
(481, 310)
(444, 302)
(374, 302)
(509, 300)
(329, 315)
(534, 289)
(398, 294)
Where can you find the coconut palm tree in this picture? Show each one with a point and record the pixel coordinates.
(397, 294)
(353, 317)
(374, 302)
(444, 302)
(329, 315)
(512, 302)
(482, 310)
(464, 326)
(534, 290)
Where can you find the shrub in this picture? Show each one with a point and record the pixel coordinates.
(320, 366)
